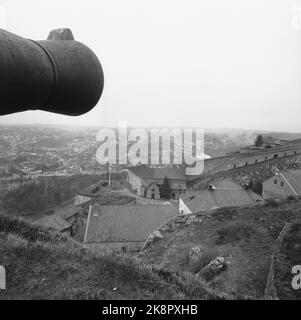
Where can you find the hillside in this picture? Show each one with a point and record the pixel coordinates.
(244, 237)
(287, 255)
(41, 264)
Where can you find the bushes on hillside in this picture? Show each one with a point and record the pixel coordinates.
(30, 232)
(39, 196)
(224, 213)
(235, 231)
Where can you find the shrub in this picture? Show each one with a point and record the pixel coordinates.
(234, 232)
(207, 257)
(224, 213)
(273, 202)
(210, 272)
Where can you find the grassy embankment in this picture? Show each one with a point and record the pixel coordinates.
(42, 264)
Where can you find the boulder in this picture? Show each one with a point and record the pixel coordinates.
(156, 235)
(214, 268)
(190, 219)
(196, 253)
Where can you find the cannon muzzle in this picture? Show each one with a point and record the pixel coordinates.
(59, 74)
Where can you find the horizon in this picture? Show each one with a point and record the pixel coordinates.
(198, 65)
(91, 126)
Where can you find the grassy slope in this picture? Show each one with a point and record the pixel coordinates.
(288, 255)
(41, 264)
(244, 236)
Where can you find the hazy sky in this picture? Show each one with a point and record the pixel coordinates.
(213, 63)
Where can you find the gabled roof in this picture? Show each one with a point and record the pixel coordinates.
(67, 211)
(54, 222)
(293, 177)
(146, 172)
(129, 223)
(94, 190)
(226, 194)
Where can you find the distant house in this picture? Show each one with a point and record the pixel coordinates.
(267, 143)
(147, 181)
(270, 142)
(283, 184)
(124, 227)
(224, 193)
(55, 222)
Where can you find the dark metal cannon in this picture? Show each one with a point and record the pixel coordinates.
(59, 74)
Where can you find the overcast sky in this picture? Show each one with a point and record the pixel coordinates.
(213, 63)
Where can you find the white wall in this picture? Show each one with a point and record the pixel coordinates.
(183, 209)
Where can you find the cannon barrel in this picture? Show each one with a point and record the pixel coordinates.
(58, 75)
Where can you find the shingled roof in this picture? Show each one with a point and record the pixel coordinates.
(93, 191)
(129, 223)
(54, 222)
(293, 177)
(146, 172)
(226, 194)
(66, 211)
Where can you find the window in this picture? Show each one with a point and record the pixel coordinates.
(282, 183)
(275, 181)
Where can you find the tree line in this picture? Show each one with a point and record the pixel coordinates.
(37, 197)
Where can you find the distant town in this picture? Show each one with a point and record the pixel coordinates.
(50, 177)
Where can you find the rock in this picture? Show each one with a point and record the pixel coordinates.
(180, 219)
(214, 268)
(190, 220)
(156, 235)
(196, 253)
(219, 261)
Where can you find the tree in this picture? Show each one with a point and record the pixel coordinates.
(257, 187)
(165, 189)
(259, 141)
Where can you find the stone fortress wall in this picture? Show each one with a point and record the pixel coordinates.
(257, 165)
